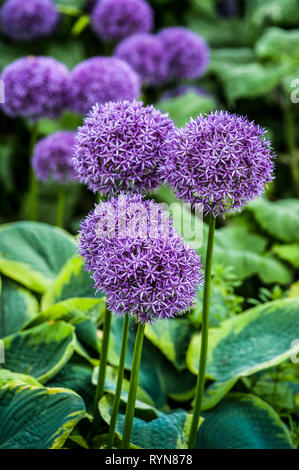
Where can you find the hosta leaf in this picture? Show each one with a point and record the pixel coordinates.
(172, 337)
(280, 219)
(243, 421)
(289, 253)
(17, 307)
(76, 377)
(6, 376)
(167, 431)
(182, 108)
(255, 340)
(279, 45)
(215, 392)
(278, 386)
(41, 351)
(157, 376)
(42, 417)
(249, 80)
(273, 12)
(33, 253)
(72, 281)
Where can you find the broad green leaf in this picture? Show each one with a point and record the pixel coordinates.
(232, 30)
(69, 52)
(243, 421)
(41, 351)
(76, 377)
(279, 45)
(157, 376)
(6, 376)
(73, 311)
(72, 281)
(33, 253)
(274, 12)
(172, 337)
(294, 290)
(280, 219)
(167, 431)
(17, 307)
(182, 108)
(249, 80)
(252, 341)
(215, 392)
(289, 253)
(278, 386)
(234, 55)
(42, 417)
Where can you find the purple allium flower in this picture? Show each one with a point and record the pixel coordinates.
(102, 79)
(28, 19)
(188, 53)
(35, 87)
(52, 157)
(152, 277)
(120, 145)
(113, 20)
(146, 55)
(221, 161)
(182, 89)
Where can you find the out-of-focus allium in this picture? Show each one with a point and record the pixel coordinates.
(119, 147)
(113, 20)
(26, 20)
(148, 273)
(102, 79)
(146, 55)
(221, 161)
(52, 157)
(182, 90)
(227, 8)
(35, 87)
(188, 53)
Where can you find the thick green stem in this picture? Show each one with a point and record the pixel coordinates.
(102, 370)
(200, 385)
(60, 205)
(32, 195)
(133, 387)
(121, 368)
(291, 143)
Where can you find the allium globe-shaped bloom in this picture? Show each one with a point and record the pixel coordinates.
(119, 147)
(26, 20)
(152, 275)
(35, 87)
(52, 157)
(113, 20)
(221, 161)
(188, 53)
(146, 55)
(102, 79)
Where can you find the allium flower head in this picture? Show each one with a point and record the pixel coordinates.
(28, 19)
(221, 161)
(113, 20)
(188, 53)
(146, 55)
(52, 157)
(152, 275)
(35, 87)
(120, 145)
(102, 79)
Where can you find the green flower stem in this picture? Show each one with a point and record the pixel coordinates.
(291, 143)
(32, 195)
(133, 387)
(102, 370)
(60, 205)
(119, 383)
(200, 385)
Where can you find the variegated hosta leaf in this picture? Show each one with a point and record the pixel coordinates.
(167, 431)
(33, 253)
(35, 417)
(72, 281)
(252, 341)
(17, 307)
(243, 421)
(41, 351)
